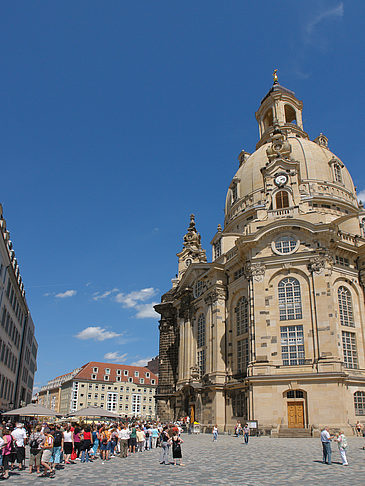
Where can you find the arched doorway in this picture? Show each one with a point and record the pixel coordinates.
(296, 407)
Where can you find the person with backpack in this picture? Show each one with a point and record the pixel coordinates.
(47, 448)
(57, 447)
(35, 440)
(6, 451)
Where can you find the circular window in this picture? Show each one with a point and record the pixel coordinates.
(285, 245)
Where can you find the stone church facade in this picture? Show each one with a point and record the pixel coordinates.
(273, 328)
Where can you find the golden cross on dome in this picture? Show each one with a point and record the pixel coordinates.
(275, 76)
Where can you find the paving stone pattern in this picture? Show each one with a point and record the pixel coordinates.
(264, 461)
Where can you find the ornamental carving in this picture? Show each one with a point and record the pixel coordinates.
(319, 263)
(215, 295)
(280, 148)
(256, 271)
(362, 277)
(195, 372)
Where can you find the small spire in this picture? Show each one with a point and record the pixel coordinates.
(219, 228)
(275, 76)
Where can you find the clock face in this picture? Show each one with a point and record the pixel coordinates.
(281, 179)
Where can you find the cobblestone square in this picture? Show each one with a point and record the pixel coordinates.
(264, 461)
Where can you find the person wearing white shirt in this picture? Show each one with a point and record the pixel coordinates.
(124, 435)
(20, 436)
(326, 438)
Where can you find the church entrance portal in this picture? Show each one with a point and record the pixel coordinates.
(296, 415)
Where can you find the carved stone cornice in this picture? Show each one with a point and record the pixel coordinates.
(256, 271)
(319, 263)
(215, 295)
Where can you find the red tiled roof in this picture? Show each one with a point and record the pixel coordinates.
(87, 371)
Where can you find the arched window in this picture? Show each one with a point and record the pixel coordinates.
(241, 311)
(201, 331)
(290, 301)
(290, 115)
(268, 119)
(282, 199)
(345, 307)
(359, 402)
(338, 173)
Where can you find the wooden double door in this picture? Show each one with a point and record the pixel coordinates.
(296, 415)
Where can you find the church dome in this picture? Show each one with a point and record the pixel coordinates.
(284, 148)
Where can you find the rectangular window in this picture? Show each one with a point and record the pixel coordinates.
(93, 377)
(292, 345)
(147, 374)
(349, 350)
(141, 380)
(106, 377)
(136, 403)
(201, 362)
(242, 355)
(95, 370)
(107, 371)
(118, 378)
(153, 382)
(111, 403)
(119, 372)
(125, 372)
(136, 374)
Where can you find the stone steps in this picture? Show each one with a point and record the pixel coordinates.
(294, 433)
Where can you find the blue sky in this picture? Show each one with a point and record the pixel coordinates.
(119, 119)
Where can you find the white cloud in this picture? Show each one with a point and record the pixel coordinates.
(99, 296)
(133, 298)
(97, 333)
(67, 293)
(361, 196)
(47, 294)
(141, 362)
(115, 357)
(331, 13)
(146, 311)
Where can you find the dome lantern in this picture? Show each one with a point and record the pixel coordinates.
(279, 107)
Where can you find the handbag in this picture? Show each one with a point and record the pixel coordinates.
(73, 455)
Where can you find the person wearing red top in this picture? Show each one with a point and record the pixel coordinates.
(86, 444)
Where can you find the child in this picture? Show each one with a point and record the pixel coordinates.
(176, 442)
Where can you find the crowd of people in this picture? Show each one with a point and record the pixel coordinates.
(55, 446)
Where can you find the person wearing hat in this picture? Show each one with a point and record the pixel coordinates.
(20, 437)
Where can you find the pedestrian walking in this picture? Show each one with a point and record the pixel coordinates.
(246, 433)
(326, 438)
(19, 438)
(358, 428)
(215, 433)
(342, 446)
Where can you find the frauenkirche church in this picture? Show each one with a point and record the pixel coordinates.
(273, 328)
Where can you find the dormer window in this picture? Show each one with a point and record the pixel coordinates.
(217, 249)
(106, 377)
(141, 380)
(107, 371)
(119, 372)
(125, 372)
(282, 199)
(147, 374)
(95, 370)
(234, 193)
(337, 173)
(136, 374)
